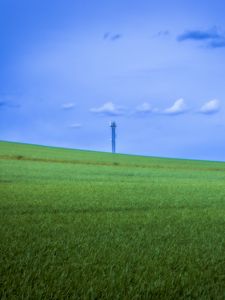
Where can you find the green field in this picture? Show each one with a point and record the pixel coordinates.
(90, 225)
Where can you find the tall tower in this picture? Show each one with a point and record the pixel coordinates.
(113, 127)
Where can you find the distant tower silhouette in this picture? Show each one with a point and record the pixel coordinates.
(113, 126)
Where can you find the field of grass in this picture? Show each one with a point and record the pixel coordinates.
(89, 225)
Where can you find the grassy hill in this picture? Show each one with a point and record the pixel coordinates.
(90, 225)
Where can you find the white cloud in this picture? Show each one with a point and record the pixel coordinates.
(68, 105)
(178, 107)
(210, 107)
(75, 126)
(108, 108)
(144, 108)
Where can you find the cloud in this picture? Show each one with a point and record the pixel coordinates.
(5, 104)
(178, 107)
(210, 107)
(112, 37)
(212, 37)
(162, 33)
(106, 35)
(219, 43)
(144, 108)
(75, 125)
(108, 108)
(116, 37)
(197, 35)
(69, 105)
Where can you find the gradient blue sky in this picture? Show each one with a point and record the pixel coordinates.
(67, 68)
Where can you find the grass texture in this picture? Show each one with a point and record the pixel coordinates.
(89, 225)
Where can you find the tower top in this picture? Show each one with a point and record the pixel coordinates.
(113, 124)
(113, 129)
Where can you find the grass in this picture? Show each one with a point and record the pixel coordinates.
(89, 225)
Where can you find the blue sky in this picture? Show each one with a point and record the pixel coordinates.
(67, 68)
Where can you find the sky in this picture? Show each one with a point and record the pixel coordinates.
(68, 68)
